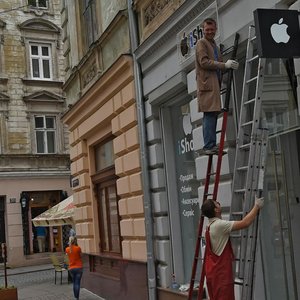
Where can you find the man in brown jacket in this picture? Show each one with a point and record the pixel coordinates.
(209, 67)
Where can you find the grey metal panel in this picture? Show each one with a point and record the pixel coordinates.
(160, 203)
(155, 155)
(169, 89)
(157, 178)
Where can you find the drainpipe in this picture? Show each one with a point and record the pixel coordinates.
(151, 275)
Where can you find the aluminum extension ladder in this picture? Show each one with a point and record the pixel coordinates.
(251, 149)
(211, 174)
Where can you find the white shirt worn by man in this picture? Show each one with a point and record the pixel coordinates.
(219, 234)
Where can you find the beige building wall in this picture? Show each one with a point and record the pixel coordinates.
(108, 108)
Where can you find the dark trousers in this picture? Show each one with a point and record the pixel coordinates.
(76, 275)
(209, 125)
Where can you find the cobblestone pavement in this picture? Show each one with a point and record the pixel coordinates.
(39, 285)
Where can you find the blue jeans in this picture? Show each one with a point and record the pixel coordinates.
(209, 126)
(76, 275)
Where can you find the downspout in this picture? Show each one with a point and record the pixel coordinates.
(151, 274)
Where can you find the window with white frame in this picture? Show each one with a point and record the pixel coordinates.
(45, 131)
(38, 3)
(40, 61)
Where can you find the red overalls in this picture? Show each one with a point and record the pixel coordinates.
(218, 271)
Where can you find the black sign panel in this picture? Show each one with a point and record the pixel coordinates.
(278, 33)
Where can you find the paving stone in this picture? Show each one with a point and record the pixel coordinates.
(37, 283)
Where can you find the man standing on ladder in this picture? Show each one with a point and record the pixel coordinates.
(209, 67)
(219, 257)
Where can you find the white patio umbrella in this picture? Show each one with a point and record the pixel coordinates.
(60, 214)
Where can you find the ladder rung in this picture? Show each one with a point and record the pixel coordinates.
(240, 191)
(213, 173)
(253, 58)
(253, 38)
(236, 236)
(243, 168)
(245, 146)
(218, 131)
(238, 281)
(223, 91)
(247, 123)
(237, 213)
(252, 79)
(208, 194)
(249, 101)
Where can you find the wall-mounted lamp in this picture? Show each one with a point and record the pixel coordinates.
(24, 200)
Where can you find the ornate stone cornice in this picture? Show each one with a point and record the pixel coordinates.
(188, 11)
(153, 9)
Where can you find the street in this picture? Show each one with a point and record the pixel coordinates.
(37, 283)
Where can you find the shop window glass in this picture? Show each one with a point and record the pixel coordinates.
(187, 184)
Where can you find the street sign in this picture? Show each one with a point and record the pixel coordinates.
(277, 32)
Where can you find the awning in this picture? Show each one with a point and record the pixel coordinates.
(60, 214)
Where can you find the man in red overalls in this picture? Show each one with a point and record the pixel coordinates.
(218, 252)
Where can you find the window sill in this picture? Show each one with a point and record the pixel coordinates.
(30, 81)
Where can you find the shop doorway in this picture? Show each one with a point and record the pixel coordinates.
(35, 211)
(281, 218)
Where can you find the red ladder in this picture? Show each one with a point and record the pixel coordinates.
(216, 174)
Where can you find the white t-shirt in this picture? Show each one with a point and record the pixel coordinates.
(219, 234)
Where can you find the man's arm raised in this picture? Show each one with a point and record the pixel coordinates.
(249, 218)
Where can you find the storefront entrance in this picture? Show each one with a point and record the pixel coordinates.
(182, 186)
(280, 218)
(42, 239)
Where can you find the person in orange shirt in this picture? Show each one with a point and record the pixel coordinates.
(75, 264)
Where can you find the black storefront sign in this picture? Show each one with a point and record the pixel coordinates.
(278, 33)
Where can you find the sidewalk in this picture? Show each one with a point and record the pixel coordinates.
(37, 283)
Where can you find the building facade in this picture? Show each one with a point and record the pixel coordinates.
(135, 132)
(34, 159)
(105, 148)
(174, 136)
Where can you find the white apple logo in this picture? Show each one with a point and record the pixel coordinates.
(187, 126)
(279, 32)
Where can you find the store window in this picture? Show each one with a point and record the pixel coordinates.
(184, 198)
(40, 61)
(45, 128)
(281, 214)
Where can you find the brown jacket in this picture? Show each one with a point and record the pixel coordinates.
(208, 87)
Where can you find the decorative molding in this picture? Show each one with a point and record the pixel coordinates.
(153, 9)
(187, 12)
(40, 25)
(88, 76)
(44, 96)
(39, 82)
